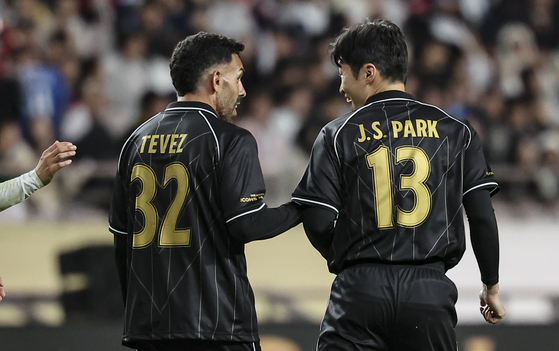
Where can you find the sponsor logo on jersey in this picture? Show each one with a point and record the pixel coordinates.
(253, 197)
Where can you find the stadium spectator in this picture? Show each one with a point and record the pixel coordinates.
(483, 60)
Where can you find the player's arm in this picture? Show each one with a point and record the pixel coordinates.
(118, 222)
(319, 224)
(266, 223)
(16, 190)
(485, 243)
(120, 260)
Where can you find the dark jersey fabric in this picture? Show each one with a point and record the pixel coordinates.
(395, 172)
(183, 176)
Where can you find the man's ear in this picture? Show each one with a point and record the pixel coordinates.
(217, 81)
(370, 72)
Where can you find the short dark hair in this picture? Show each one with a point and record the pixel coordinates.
(195, 54)
(379, 42)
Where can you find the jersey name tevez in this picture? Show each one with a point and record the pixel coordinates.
(182, 176)
(395, 171)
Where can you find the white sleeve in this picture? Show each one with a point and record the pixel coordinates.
(16, 190)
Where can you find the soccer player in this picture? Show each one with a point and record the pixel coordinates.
(188, 197)
(384, 192)
(16, 190)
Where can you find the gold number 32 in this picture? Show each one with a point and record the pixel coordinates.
(379, 162)
(169, 235)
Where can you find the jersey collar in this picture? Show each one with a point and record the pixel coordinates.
(190, 105)
(390, 94)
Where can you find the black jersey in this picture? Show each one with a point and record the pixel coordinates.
(395, 171)
(182, 176)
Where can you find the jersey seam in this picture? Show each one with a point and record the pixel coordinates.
(213, 133)
(245, 213)
(116, 231)
(294, 198)
(480, 186)
(190, 108)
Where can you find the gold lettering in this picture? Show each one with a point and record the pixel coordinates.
(421, 128)
(362, 137)
(408, 129)
(173, 146)
(164, 142)
(378, 133)
(396, 128)
(144, 139)
(180, 147)
(432, 127)
(152, 144)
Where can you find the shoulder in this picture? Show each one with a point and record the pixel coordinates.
(228, 130)
(336, 124)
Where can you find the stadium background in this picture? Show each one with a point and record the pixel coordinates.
(89, 71)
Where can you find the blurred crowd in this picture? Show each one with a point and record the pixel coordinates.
(90, 71)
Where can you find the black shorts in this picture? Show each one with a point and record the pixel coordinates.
(390, 307)
(197, 345)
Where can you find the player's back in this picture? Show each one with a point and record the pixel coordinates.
(403, 178)
(187, 275)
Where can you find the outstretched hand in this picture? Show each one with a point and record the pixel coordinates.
(491, 308)
(53, 159)
(2, 293)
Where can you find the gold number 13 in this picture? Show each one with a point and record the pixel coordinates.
(379, 162)
(169, 235)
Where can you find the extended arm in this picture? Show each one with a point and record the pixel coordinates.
(319, 224)
(485, 243)
(16, 190)
(265, 223)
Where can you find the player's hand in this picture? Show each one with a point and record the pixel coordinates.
(2, 292)
(53, 159)
(491, 308)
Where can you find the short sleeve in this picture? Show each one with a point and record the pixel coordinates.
(241, 186)
(477, 173)
(320, 185)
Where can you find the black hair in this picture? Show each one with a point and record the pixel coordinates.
(379, 42)
(195, 54)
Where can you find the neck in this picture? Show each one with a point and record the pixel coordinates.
(386, 86)
(199, 97)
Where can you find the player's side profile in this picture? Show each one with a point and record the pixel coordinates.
(383, 196)
(15, 190)
(188, 196)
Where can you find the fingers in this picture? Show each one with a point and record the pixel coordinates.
(60, 150)
(64, 155)
(62, 164)
(493, 311)
(53, 159)
(2, 292)
(490, 315)
(65, 147)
